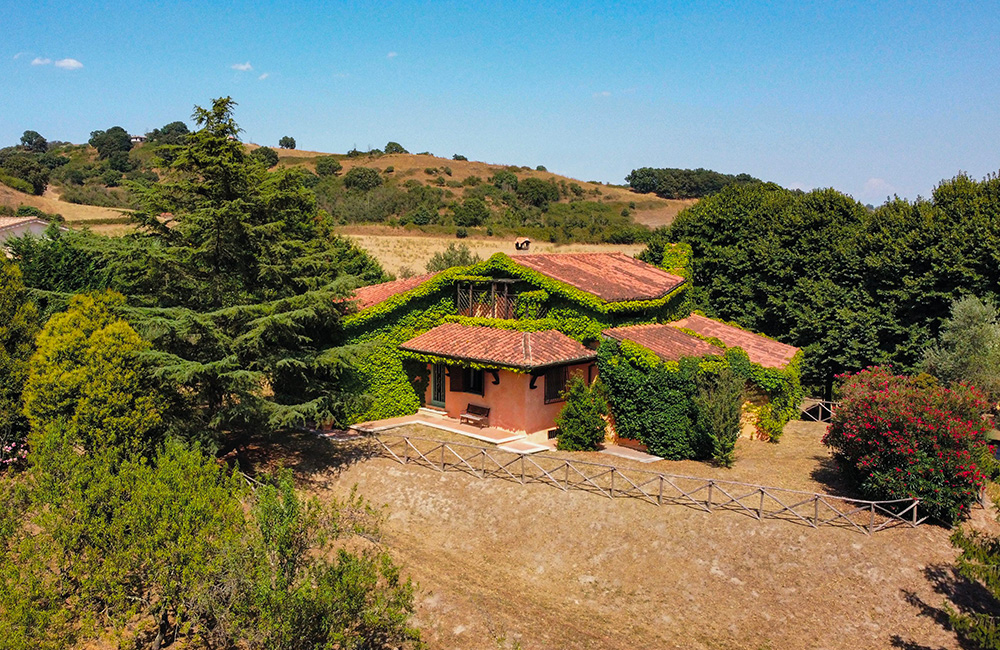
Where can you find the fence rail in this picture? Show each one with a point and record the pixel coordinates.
(757, 501)
(817, 410)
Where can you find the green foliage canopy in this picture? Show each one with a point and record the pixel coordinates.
(18, 326)
(581, 420)
(969, 347)
(852, 287)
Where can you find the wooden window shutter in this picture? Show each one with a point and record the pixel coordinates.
(457, 376)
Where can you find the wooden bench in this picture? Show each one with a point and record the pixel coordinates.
(475, 415)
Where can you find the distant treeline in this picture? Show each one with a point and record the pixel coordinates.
(670, 183)
(851, 286)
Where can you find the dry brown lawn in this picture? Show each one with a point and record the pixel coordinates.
(50, 202)
(500, 564)
(396, 251)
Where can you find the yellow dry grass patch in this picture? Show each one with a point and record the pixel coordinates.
(397, 252)
(51, 203)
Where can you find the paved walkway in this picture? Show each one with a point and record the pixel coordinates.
(629, 453)
(486, 434)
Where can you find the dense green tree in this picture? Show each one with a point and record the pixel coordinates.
(327, 166)
(34, 142)
(266, 155)
(395, 147)
(453, 255)
(719, 406)
(968, 348)
(90, 379)
(26, 167)
(683, 183)
(362, 178)
(114, 140)
(851, 286)
(472, 212)
(18, 326)
(459, 157)
(286, 142)
(581, 421)
(504, 180)
(536, 192)
(170, 134)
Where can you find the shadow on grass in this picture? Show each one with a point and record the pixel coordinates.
(964, 595)
(828, 474)
(315, 461)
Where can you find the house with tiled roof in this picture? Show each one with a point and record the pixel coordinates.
(495, 343)
(503, 335)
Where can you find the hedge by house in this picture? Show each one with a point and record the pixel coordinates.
(655, 401)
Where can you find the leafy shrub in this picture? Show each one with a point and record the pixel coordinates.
(719, 405)
(454, 255)
(459, 157)
(581, 421)
(266, 155)
(472, 212)
(394, 147)
(430, 171)
(471, 181)
(535, 191)
(446, 170)
(16, 183)
(969, 347)
(362, 178)
(390, 169)
(327, 166)
(898, 438)
(461, 233)
(504, 180)
(541, 168)
(439, 181)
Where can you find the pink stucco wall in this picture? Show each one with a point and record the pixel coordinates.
(513, 404)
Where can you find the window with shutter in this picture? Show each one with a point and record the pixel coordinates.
(555, 383)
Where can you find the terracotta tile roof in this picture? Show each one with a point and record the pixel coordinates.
(668, 343)
(613, 277)
(525, 350)
(760, 349)
(374, 294)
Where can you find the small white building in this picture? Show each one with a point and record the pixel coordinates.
(137, 139)
(18, 226)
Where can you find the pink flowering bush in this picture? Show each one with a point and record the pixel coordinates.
(900, 437)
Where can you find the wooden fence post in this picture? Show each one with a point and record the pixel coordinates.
(522, 469)
(612, 482)
(442, 458)
(659, 497)
(708, 502)
(816, 511)
(760, 508)
(871, 522)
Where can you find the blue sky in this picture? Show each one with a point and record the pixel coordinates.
(870, 98)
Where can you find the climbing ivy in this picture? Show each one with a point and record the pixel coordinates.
(654, 401)
(394, 382)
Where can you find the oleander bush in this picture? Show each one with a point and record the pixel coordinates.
(901, 437)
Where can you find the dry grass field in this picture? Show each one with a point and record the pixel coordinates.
(396, 251)
(501, 565)
(50, 202)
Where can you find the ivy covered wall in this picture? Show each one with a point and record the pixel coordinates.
(394, 384)
(653, 401)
